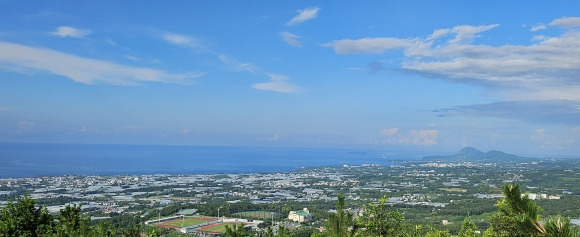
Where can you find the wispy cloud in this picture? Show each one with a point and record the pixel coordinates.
(182, 40)
(26, 59)
(236, 65)
(70, 32)
(291, 39)
(466, 33)
(278, 83)
(304, 15)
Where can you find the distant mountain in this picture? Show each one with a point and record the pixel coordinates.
(469, 151)
(472, 154)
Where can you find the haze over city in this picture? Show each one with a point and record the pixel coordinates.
(393, 75)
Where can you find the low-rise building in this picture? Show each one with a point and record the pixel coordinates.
(300, 216)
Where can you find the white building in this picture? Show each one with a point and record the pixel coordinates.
(300, 216)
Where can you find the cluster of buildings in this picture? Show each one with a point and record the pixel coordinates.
(413, 183)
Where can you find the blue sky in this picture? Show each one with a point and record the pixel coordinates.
(393, 75)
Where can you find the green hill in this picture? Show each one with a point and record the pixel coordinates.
(472, 154)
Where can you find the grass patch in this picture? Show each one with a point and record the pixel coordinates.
(221, 228)
(459, 190)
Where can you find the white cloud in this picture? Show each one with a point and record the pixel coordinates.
(25, 59)
(463, 33)
(304, 15)
(132, 58)
(278, 83)
(389, 131)
(421, 137)
(546, 70)
(369, 45)
(182, 40)
(538, 37)
(567, 22)
(66, 31)
(538, 27)
(466, 33)
(291, 39)
(438, 33)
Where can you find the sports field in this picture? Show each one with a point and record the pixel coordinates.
(177, 223)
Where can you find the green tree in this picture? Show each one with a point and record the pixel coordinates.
(282, 232)
(235, 231)
(519, 216)
(105, 229)
(437, 233)
(558, 226)
(131, 231)
(502, 225)
(23, 218)
(269, 232)
(468, 228)
(154, 233)
(71, 222)
(378, 220)
(341, 223)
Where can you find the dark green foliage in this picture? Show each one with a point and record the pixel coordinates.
(131, 232)
(378, 220)
(558, 226)
(341, 223)
(437, 233)
(235, 231)
(468, 228)
(23, 218)
(519, 216)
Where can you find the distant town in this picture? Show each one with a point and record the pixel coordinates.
(416, 187)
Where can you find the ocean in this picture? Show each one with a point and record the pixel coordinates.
(35, 160)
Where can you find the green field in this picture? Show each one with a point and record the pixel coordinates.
(186, 222)
(263, 215)
(221, 228)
